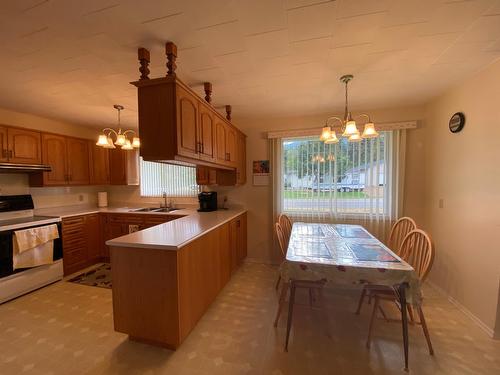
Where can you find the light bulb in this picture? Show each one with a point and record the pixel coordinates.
(136, 142)
(350, 129)
(127, 145)
(369, 131)
(355, 138)
(325, 133)
(332, 139)
(102, 141)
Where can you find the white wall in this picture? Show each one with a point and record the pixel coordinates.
(463, 170)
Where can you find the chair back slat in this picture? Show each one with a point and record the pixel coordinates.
(399, 230)
(281, 239)
(418, 251)
(286, 226)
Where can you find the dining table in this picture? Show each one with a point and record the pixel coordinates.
(344, 255)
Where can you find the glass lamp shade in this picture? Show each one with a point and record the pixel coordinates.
(102, 141)
(369, 131)
(127, 145)
(350, 129)
(120, 140)
(109, 143)
(325, 133)
(332, 139)
(136, 142)
(355, 138)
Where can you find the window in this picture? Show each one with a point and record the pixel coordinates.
(343, 179)
(175, 180)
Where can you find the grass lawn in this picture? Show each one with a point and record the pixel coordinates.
(322, 194)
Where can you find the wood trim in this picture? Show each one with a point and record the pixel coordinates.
(384, 126)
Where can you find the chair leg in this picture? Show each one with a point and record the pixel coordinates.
(278, 282)
(290, 313)
(372, 320)
(361, 299)
(410, 314)
(311, 297)
(284, 289)
(426, 330)
(383, 313)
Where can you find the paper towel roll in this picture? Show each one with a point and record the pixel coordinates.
(102, 199)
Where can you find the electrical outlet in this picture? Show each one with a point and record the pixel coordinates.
(441, 203)
(81, 197)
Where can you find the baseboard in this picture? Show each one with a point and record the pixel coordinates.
(490, 332)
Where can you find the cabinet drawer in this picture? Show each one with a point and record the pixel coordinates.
(73, 221)
(125, 219)
(75, 256)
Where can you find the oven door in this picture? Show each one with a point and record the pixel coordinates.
(6, 255)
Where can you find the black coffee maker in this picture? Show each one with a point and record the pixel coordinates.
(208, 201)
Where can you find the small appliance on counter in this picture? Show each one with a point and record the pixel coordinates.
(208, 201)
(102, 199)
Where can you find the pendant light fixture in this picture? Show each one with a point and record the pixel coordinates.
(121, 138)
(349, 126)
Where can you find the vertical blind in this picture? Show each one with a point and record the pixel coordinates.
(174, 180)
(336, 182)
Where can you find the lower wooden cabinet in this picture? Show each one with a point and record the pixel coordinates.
(81, 242)
(238, 240)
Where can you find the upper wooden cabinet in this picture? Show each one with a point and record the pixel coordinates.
(77, 152)
(20, 146)
(99, 164)
(123, 167)
(69, 159)
(241, 168)
(176, 125)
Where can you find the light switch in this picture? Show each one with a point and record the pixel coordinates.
(441, 203)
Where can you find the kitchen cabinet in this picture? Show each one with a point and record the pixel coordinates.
(176, 125)
(241, 168)
(123, 167)
(187, 124)
(69, 159)
(20, 146)
(213, 176)
(206, 133)
(81, 242)
(99, 164)
(53, 154)
(238, 240)
(77, 152)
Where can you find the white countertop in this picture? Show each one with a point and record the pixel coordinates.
(167, 236)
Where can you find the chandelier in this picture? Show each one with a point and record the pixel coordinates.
(121, 138)
(349, 127)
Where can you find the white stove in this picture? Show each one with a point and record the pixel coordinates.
(16, 213)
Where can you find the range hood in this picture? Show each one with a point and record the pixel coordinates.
(24, 168)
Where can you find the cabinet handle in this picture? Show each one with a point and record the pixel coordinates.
(10, 153)
(201, 147)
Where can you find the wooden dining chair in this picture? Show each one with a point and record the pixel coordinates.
(399, 230)
(283, 245)
(286, 226)
(418, 251)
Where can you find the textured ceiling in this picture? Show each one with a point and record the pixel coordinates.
(73, 59)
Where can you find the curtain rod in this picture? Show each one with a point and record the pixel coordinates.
(384, 126)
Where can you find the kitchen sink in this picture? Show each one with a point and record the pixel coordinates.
(153, 209)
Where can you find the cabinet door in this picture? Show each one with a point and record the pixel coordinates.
(241, 169)
(78, 161)
(187, 124)
(112, 230)
(231, 146)
(74, 240)
(242, 238)
(206, 133)
(220, 142)
(24, 146)
(233, 243)
(4, 151)
(54, 154)
(123, 167)
(93, 233)
(99, 164)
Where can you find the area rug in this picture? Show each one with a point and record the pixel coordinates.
(99, 276)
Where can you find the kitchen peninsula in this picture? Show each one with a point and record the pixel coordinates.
(165, 277)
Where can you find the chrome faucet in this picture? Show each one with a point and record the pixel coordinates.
(164, 199)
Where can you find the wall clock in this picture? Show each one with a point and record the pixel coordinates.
(457, 122)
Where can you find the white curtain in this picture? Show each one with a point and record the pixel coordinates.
(174, 180)
(359, 183)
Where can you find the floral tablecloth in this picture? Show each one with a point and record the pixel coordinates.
(345, 255)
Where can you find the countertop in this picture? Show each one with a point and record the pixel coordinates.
(167, 236)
